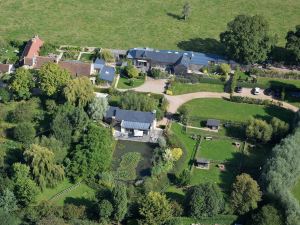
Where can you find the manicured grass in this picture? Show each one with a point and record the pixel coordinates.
(182, 88)
(124, 83)
(220, 150)
(79, 194)
(202, 109)
(126, 24)
(277, 82)
(220, 219)
(296, 191)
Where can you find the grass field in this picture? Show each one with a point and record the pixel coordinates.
(124, 83)
(82, 193)
(201, 109)
(182, 88)
(125, 24)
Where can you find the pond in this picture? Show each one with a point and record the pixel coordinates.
(146, 149)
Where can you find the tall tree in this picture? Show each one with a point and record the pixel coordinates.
(293, 44)
(245, 194)
(279, 127)
(25, 188)
(24, 132)
(246, 39)
(267, 215)
(44, 170)
(8, 201)
(79, 91)
(21, 84)
(8, 219)
(205, 200)
(97, 108)
(119, 196)
(155, 209)
(186, 10)
(259, 130)
(53, 79)
(94, 154)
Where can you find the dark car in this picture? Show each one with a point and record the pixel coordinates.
(238, 89)
(268, 92)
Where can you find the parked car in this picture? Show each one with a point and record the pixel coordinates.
(238, 89)
(256, 91)
(277, 93)
(268, 92)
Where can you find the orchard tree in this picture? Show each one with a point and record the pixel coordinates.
(155, 209)
(44, 170)
(52, 79)
(280, 128)
(119, 199)
(205, 200)
(97, 108)
(293, 44)
(245, 194)
(105, 209)
(259, 130)
(25, 188)
(21, 84)
(247, 39)
(267, 215)
(186, 10)
(79, 91)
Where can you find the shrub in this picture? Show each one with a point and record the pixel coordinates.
(248, 100)
(158, 74)
(24, 132)
(107, 55)
(4, 95)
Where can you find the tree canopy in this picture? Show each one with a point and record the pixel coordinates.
(155, 209)
(245, 194)
(293, 44)
(52, 79)
(267, 215)
(205, 200)
(259, 130)
(79, 91)
(247, 39)
(97, 108)
(21, 84)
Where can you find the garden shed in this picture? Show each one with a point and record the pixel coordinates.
(213, 124)
(202, 164)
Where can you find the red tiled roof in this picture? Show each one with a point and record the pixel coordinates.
(4, 68)
(41, 60)
(32, 47)
(76, 68)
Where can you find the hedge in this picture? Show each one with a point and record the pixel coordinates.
(274, 74)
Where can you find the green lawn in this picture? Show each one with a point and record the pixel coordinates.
(126, 24)
(269, 82)
(124, 83)
(182, 88)
(296, 191)
(86, 57)
(202, 109)
(82, 193)
(220, 150)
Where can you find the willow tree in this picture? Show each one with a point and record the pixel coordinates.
(43, 168)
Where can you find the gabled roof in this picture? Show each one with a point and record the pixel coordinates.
(99, 63)
(130, 115)
(76, 68)
(107, 73)
(135, 125)
(32, 47)
(41, 60)
(185, 58)
(202, 161)
(213, 123)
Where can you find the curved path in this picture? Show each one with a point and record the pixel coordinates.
(175, 101)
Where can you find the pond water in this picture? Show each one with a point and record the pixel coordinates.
(146, 150)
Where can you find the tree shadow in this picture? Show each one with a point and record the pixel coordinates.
(204, 45)
(175, 196)
(175, 16)
(91, 206)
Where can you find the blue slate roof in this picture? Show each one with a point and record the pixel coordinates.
(99, 63)
(174, 57)
(107, 73)
(130, 115)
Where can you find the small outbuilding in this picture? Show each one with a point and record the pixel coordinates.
(202, 164)
(213, 124)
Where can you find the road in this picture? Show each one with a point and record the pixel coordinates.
(175, 101)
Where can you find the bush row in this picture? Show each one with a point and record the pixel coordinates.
(274, 74)
(248, 100)
(193, 78)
